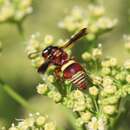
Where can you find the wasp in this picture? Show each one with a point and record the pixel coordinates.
(66, 67)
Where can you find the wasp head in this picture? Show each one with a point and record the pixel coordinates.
(47, 52)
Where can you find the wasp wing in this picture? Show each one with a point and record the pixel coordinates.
(75, 37)
(43, 67)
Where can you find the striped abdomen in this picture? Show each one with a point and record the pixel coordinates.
(74, 72)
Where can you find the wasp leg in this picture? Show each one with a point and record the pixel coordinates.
(58, 73)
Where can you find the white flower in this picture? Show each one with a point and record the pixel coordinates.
(78, 94)
(127, 64)
(96, 10)
(113, 62)
(86, 56)
(11, 10)
(78, 100)
(77, 12)
(96, 124)
(109, 109)
(97, 53)
(50, 78)
(128, 78)
(105, 22)
(13, 127)
(110, 89)
(107, 81)
(34, 122)
(86, 116)
(55, 95)
(50, 126)
(93, 91)
(42, 88)
(40, 120)
(97, 79)
(6, 11)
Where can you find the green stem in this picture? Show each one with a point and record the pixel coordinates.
(83, 127)
(20, 29)
(95, 104)
(14, 95)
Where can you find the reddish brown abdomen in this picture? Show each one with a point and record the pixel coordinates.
(75, 74)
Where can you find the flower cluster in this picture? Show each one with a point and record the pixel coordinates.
(98, 105)
(33, 122)
(93, 17)
(14, 10)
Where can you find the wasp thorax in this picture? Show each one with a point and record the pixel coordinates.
(55, 55)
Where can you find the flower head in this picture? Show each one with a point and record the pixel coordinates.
(14, 10)
(34, 121)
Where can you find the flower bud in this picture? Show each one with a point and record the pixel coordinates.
(110, 100)
(79, 122)
(105, 63)
(127, 64)
(97, 80)
(79, 100)
(29, 122)
(109, 109)
(86, 56)
(110, 89)
(107, 81)
(51, 78)
(13, 127)
(121, 76)
(106, 23)
(93, 91)
(86, 116)
(103, 93)
(69, 103)
(77, 12)
(40, 120)
(89, 103)
(50, 126)
(127, 46)
(96, 11)
(56, 96)
(78, 94)
(106, 70)
(97, 53)
(79, 105)
(128, 78)
(113, 62)
(42, 88)
(67, 82)
(124, 91)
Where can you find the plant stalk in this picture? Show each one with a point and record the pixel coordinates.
(18, 98)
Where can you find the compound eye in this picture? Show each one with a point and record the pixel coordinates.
(47, 51)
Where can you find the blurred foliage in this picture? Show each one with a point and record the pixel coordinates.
(16, 70)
